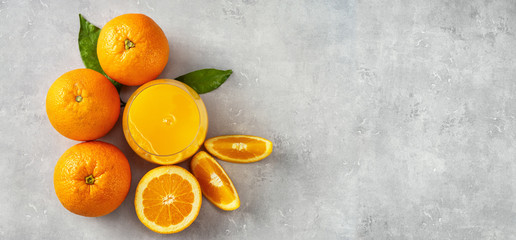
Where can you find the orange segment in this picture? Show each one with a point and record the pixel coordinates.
(168, 199)
(239, 148)
(215, 183)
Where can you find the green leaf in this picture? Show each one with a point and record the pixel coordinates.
(88, 37)
(205, 80)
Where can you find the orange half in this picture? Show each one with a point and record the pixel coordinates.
(239, 148)
(215, 183)
(168, 199)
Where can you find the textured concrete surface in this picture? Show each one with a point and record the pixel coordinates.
(391, 119)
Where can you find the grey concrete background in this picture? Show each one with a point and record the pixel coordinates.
(390, 119)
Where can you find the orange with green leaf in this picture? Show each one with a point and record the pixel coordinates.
(93, 178)
(132, 49)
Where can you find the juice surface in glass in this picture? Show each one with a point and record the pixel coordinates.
(165, 121)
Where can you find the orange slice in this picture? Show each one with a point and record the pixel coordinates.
(168, 199)
(239, 148)
(215, 183)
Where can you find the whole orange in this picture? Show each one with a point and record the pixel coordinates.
(83, 105)
(92, 178)
(132, 49)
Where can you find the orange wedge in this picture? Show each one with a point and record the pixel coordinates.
(168, 199)
(239, 148)
(215, 183)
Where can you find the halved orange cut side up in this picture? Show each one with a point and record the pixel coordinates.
(215, 183)
(239, 148)
(168, 199)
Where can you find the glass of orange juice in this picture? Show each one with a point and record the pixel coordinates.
(165, 121)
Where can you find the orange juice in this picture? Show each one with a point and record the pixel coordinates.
(165, 121)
